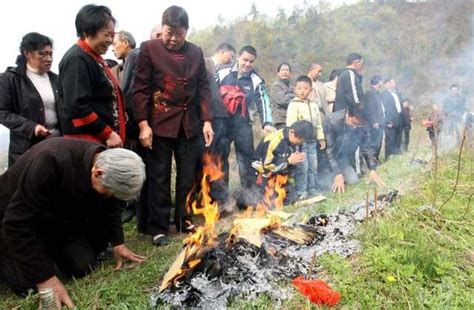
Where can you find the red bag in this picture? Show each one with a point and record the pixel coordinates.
(233, 97)
(317, 291)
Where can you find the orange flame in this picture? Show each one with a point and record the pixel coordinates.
(204, 204)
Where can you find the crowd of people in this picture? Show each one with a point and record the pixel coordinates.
(95, 134)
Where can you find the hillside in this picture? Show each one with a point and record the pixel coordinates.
(425, 46)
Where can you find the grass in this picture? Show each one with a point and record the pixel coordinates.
(410, 258)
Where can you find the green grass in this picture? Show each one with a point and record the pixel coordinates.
(410, 259)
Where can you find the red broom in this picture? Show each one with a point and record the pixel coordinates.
(317, 291)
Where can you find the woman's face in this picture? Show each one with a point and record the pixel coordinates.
(40, 60)
(100, 41)
(173, 38)
(284, 72)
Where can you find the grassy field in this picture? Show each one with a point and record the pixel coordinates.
(411, 258)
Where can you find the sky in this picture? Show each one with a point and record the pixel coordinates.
(55, 19)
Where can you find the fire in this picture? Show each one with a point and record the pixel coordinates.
(204, 204)
(249, 226)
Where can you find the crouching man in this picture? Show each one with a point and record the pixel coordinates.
(278, 153)
(58, 211)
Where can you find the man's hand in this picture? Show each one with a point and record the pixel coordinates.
(122, 252)
(146, 135)
(41, 131)
(389, 125)
(114, 140)
(375, 125)
(375, 178)
(296, 158)
(208, 133)
(338, 185)
(60, 294)
(268, 129)
(322, 144)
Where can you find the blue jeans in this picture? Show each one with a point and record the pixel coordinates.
(305, 174)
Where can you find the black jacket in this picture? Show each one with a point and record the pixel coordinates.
(391, 113)
(86, 97)
(343, 141)
(21, 109)
(349, 91)
(46, 196)
(374, 108)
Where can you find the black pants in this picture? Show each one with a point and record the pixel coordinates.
(405, 138)
(219, 188)
(239, 131)
(74, 256)
(376, 137)
(141, 205)
(392, 141)
(186, 154)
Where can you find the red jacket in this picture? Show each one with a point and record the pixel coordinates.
(171, 89)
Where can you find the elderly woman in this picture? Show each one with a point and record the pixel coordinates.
(92, 105)
(281, 95)
(28, 96)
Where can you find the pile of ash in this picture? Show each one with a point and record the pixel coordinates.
(245, 270)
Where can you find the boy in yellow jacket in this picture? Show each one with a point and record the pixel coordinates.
(301, 108)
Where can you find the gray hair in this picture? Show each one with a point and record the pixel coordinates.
(127, 36)
(123, 173)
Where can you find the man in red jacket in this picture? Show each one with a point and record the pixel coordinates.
(171, 101)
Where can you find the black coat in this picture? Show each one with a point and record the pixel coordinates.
(374, 108)
(349, 93)
(86, 97)
(21, 109)
(47, 196)
(343, 141)
(391, 113)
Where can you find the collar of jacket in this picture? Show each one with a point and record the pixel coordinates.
(236, 71)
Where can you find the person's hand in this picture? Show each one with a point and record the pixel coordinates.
(322, 144)
(146, 135)
(338, 185)
(60, 294)
(375, 178)
(113, 140)
(268, 129)
(296, 158)
(208, 133)
(41, 131)
(389, 125)
(375, 125)
(121, 252)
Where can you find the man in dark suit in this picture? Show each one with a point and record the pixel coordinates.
(393, 118)
(375, 113)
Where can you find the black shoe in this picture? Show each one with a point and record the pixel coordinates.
(186, 227)
(160, 239)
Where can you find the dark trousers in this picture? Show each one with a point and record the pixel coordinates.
(239, 131)
(392, 141)
(376, 137)
(73, 250)
(186, 154)
(219, 188)
(141, 205)
(405, 138)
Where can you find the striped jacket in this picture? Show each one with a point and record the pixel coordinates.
(349, 91)
(271, 155)
(253, 86)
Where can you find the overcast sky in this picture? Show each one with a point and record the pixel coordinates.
(55, 18)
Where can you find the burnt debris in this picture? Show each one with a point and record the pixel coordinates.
(237, 268)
